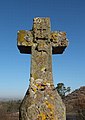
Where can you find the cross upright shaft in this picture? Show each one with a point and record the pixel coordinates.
(41, 43)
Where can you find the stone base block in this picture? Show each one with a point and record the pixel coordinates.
(42, 105)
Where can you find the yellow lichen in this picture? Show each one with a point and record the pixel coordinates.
(54, 36)
(22, 38)
(21, 35)
(49, 105)
(51, 97)
(34, 89)
(35, 76)
(42, 116)
(43, 69)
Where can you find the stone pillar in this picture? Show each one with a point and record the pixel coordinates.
(42, 101)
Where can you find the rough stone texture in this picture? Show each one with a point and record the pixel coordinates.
(41, 101)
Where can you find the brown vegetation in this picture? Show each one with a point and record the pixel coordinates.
(9, 110)
(75, 103)
(75, 106)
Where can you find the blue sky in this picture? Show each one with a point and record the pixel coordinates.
(65, 15)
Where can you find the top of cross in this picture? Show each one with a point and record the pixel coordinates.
(41, 31)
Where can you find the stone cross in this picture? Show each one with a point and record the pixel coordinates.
(41, 101)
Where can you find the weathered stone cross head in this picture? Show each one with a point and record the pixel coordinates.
(41, 43)
(41, 32)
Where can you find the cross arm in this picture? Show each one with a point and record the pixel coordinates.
(59, 42)
(24, 41)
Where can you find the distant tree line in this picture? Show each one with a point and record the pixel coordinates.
(62, 90)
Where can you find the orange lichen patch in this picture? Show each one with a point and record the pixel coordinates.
(52, 97)
(34, 89)
(42, 116)
(49, 105)
(40, 86)
(54, 36)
